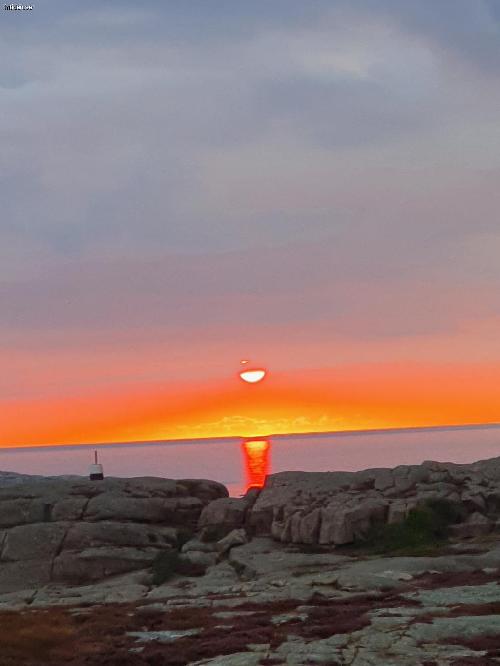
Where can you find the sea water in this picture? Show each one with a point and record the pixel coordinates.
(226, 460)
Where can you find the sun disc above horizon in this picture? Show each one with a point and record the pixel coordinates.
(252, 376)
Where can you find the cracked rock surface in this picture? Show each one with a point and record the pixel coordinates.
(281, 607)
(79, 531)
(273, 584)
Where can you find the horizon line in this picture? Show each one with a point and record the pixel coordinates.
(239, 438)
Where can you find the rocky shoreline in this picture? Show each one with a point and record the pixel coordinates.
(160, 571)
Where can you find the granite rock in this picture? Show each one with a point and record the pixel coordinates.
(76, 531)
(337, 508)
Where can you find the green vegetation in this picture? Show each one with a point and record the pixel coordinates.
(164, 566)
(170, 562)
(184, 534)
(423, 531)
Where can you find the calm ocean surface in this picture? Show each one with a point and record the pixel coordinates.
(236, 465)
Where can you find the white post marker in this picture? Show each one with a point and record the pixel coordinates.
(96, 470)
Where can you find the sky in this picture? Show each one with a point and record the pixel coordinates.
(309, 185)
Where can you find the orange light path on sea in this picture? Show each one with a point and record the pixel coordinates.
(257, 464)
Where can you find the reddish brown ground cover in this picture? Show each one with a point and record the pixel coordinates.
(489, 644)
(98, 636)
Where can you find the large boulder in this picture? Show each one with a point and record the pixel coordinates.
(344, 524)
(221, 517)
(111, 506)
(77, 530)
(291, 491)
(93, 564)
(234, 538)
(24, 574)
(37, 541)
(83, 535)
(22, 510)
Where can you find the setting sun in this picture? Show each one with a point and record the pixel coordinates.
(252, 376)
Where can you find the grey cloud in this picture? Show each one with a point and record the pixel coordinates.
(112, 112)
(357, 289)
(465, 30)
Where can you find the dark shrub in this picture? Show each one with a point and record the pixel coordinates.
(448, 512)
(424, 528)
(184, 535)
(188, 568)
(164, 566)
(171, 562)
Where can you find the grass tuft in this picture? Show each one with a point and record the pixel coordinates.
(424, 530)
(170, 562)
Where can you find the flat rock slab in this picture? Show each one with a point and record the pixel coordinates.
(464, 627)
(374, 573)
(165, 636)
(264, 557)
(453, 596)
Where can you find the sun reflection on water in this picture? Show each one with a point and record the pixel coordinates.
(256, 453)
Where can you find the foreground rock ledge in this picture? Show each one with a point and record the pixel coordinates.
(76, 531)
(75, 565)
(80, 531)
(269, 604)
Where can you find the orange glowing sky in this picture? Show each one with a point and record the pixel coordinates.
(188, 184)
(343, 398)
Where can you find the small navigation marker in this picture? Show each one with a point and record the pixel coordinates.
(96, 471)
